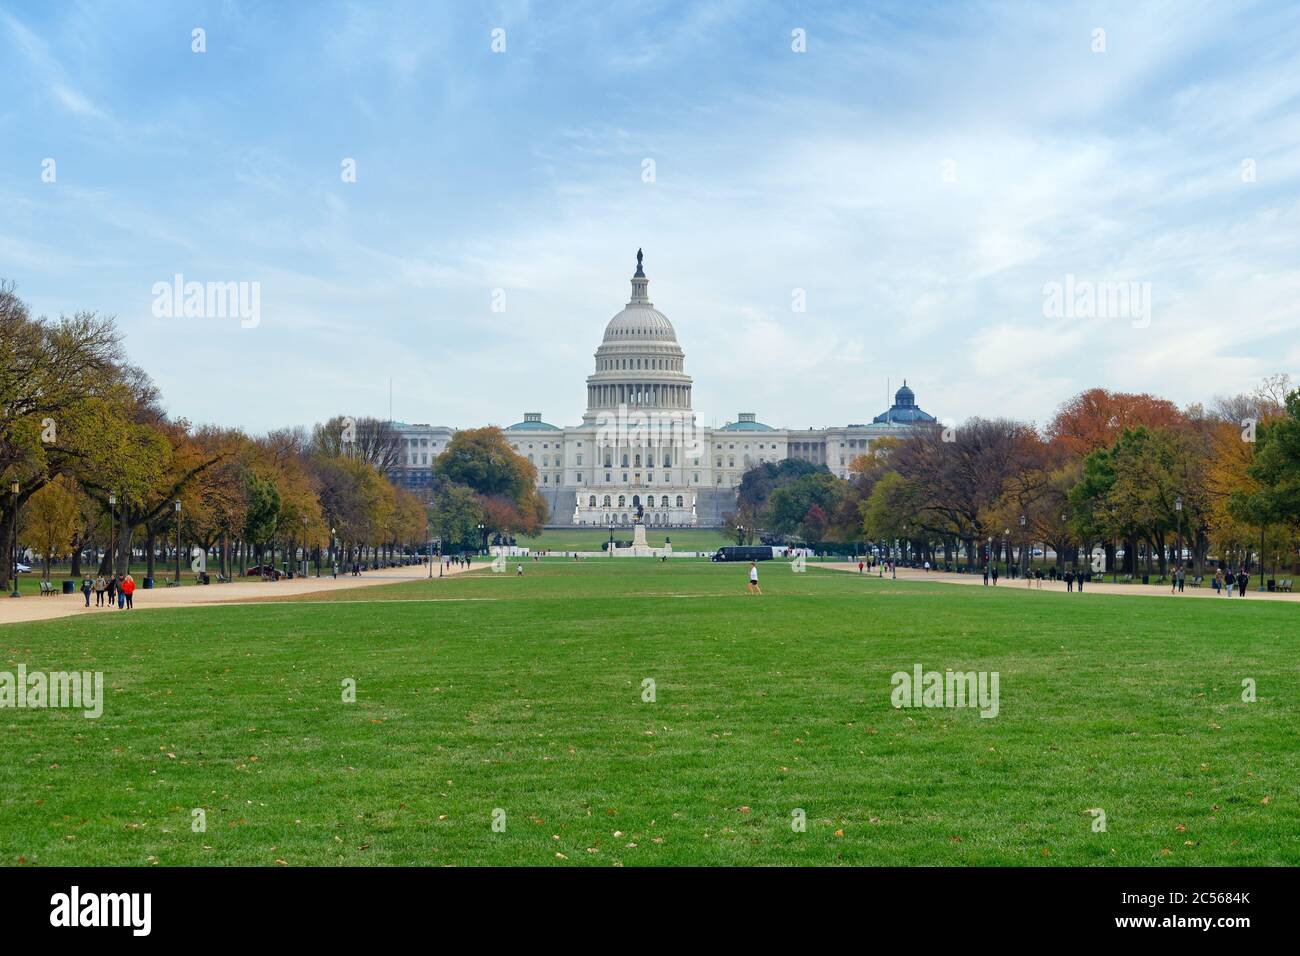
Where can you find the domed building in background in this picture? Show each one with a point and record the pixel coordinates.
(639, 450)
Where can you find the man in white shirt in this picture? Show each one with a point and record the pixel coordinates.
(753, 578)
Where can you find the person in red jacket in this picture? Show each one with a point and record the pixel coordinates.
(128, 588)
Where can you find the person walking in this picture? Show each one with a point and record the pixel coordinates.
(128, 590)
(1218, 580)
(1182, 578)
(112, 590)
(986, 575)
(753, 579)
(121, 594)
(1069, 581)
(860, 567)
(1242, 580)
(100, 585)
(87, 586)
(995, 575)
(1229, 581)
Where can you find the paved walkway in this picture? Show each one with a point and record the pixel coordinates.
(1096, 587)
(33, 607)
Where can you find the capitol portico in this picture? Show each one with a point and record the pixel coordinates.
(639, 448)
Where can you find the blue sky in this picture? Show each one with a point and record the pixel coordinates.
(921, 173)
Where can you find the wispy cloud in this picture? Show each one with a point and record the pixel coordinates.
(917, 177)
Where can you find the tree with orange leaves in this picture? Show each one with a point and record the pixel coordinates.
(1096, 418)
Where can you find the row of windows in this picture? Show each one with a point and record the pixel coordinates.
(605, 502)
(663, 365)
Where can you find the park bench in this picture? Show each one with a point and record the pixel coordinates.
(46, 588)
(1196, 581)
(1284, 584)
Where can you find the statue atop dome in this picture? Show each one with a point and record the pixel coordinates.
(639, 274)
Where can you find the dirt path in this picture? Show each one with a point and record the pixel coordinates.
(1096, 587)
(37, 608)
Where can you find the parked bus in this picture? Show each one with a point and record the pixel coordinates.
(751, 553)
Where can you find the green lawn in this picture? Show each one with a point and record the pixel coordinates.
(525, 694)
(564, 539)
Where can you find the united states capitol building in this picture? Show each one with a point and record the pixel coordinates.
(639, 449)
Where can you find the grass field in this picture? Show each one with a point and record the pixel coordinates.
(683, 539)
(525, 694)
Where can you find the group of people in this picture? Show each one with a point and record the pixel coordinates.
(1225, 581)
(458, 560)
(119, 589)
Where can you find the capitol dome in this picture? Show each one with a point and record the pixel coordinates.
(639, 363)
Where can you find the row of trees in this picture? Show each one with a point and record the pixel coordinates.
(1116, 472)
(101, 468)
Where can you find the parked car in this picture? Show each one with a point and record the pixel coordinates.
(264, 571)
(23, 568)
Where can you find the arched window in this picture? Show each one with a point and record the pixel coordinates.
(605, 503)
(664, 503)
(624, 460)
(636, 500)
(679, 501)
(622, 500)
(668, 459)
(591, 502)
(638, 461)
(649, 501)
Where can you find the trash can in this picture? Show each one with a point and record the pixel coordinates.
(70, 587)
(1146, 579)
(148, 584)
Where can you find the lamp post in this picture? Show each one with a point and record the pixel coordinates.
(1006, 549)
(1178, 510)
(112, 529)
(740, 535)
(1065, 538)
(334, 551)
(482, 531)
(178, 541)
(306, 568)
(1261, 544)
(13, 487)
(611, 539)
(1024, 559)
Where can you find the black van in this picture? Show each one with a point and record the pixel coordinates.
(752, 553)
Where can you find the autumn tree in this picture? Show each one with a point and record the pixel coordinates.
(51, 519)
